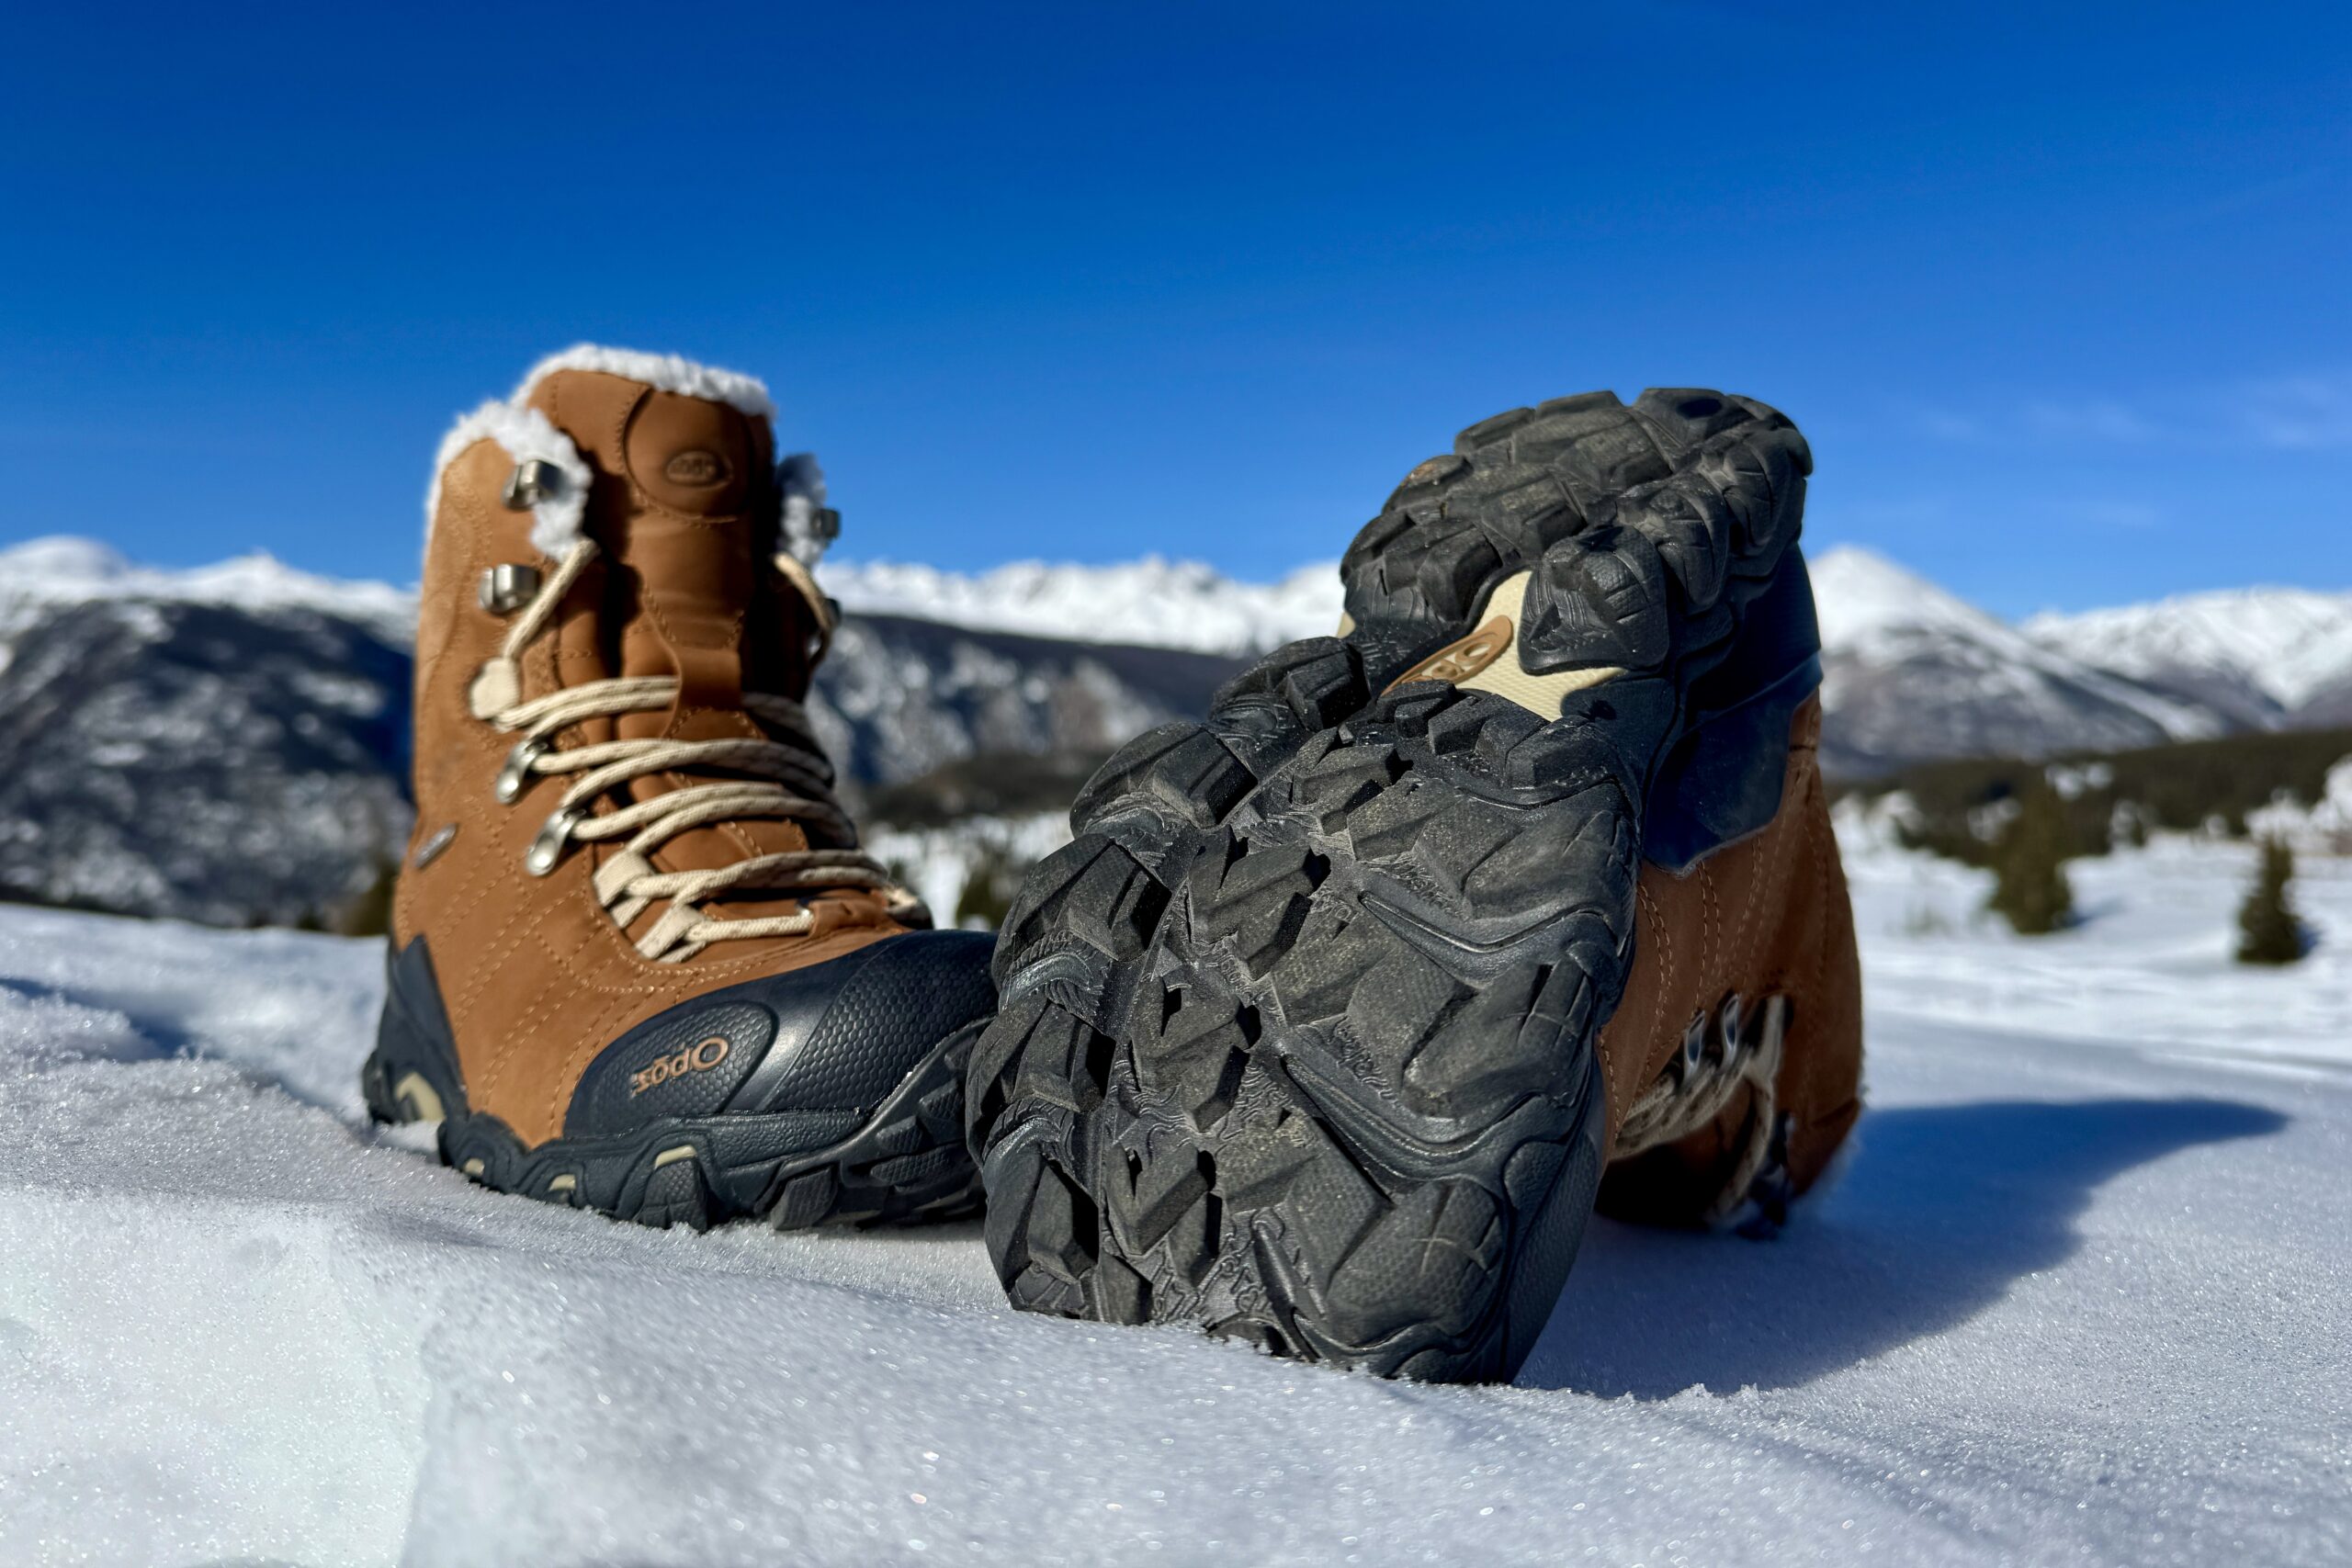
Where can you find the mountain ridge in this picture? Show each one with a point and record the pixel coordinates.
(228, 743)
(2292, 646)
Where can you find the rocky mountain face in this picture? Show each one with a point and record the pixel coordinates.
(898, 697)
(2268, 658)
(227, 745)
(228, 764)
(1912, 674)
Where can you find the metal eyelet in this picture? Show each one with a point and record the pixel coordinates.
(1694, 1048)
(514, 777)
(535, 479)
(548, 848)
(506, 589)
(430, 851)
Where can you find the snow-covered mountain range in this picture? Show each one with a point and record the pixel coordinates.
(2262, 655)
(45, 574)
(1163, 603)
(1911, 673)
(1915, 673)
(226, 743)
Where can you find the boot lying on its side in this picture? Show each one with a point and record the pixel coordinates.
(1322, 1033)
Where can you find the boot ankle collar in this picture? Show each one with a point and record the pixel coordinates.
(527, 435)
(668, 372)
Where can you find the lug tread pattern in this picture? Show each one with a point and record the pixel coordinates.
(1672, 493)
(1314, 1067)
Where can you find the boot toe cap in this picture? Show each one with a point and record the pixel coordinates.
(835, 1036)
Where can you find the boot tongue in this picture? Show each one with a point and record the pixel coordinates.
(688, 567)
(682, 511)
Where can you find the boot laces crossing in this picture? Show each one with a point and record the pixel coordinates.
(789, 778)
(1736, 1048)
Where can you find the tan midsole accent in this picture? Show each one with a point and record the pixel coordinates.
(671, 1156)
(1346, 624)
(423, 1101)
(1487, 660)
(566, 1182)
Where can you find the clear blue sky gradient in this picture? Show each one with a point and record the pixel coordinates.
(2060, 294)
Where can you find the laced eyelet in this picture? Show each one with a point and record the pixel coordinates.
(514, 777)
(548, 848)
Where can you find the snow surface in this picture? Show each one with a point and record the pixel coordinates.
(2080, 1297)
(1862, 596)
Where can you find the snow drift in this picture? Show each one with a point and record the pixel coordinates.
(2080, 1298)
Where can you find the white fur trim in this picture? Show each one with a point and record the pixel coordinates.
(524, 434)
(667, 371)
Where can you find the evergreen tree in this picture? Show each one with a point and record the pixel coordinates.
(2268, 932)
(2030, 887)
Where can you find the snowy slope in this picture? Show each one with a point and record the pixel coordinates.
(1159, 603)
(226, 744)
(2289, 648)
(1911, 673)
(2081, 1297)
(1152, 602)
(43, 573)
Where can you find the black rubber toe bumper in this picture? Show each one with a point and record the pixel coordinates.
(827, 1094)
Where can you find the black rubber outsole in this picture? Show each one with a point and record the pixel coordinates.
(904, 1160)
(1296, 1039)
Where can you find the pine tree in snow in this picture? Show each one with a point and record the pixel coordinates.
(2268, 932)
(2030, 887)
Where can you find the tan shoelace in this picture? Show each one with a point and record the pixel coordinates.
(793, 783)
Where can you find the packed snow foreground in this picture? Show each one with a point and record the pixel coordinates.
(2084, 1294)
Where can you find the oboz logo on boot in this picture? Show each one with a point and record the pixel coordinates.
(697, 468)
(699, 1057)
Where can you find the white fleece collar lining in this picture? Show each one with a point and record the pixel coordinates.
(670, 373)
(526, 434)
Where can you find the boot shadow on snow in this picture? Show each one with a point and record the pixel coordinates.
(1945, 1207)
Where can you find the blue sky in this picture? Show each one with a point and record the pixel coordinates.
(2058, 292)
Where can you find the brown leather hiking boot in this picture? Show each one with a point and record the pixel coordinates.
(640, 963)
(1322, 1032)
